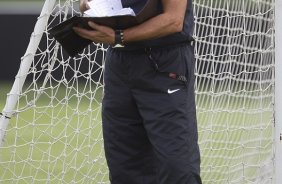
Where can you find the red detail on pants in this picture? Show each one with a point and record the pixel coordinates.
(172, 75)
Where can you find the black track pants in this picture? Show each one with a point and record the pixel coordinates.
(149, 118)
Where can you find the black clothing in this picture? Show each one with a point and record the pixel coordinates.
(136, 5)
(148, 110)
(149, 117)
(186, 35)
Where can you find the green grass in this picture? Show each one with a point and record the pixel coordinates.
(54, 140)
(59, 144)
(5, 87)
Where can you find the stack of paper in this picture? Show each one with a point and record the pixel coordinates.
(107, 8)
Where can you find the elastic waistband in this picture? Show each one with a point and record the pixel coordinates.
(142, 48)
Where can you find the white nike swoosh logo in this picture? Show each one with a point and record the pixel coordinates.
(172, 91)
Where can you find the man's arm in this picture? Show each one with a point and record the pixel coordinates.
(168, 22)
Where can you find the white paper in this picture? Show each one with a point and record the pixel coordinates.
(125, 11)
(107, 8)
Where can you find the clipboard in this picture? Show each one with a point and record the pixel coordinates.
(73, 44)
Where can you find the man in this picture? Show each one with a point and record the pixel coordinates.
(148, 110)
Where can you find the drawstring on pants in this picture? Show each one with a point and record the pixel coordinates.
(182, 78)
(153, 61)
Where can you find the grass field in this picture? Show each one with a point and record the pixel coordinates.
(62, 143)
(39, 145)
(5, 87)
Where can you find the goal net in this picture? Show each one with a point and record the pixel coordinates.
(51, 126)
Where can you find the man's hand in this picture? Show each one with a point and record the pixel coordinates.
(99, 34)
(169, 22)
(84, 5)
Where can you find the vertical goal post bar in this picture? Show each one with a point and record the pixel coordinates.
(278, 92)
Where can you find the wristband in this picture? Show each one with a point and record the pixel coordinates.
(119, 40)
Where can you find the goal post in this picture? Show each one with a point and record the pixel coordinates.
(278, 91)
(25, 66)
(51, 123)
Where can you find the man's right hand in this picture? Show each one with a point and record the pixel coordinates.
(84, 5)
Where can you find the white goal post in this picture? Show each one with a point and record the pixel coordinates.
(50, 126)
(278, 91)
(25, 66)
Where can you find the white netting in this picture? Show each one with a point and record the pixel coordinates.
(235, 79)
(55, 134)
